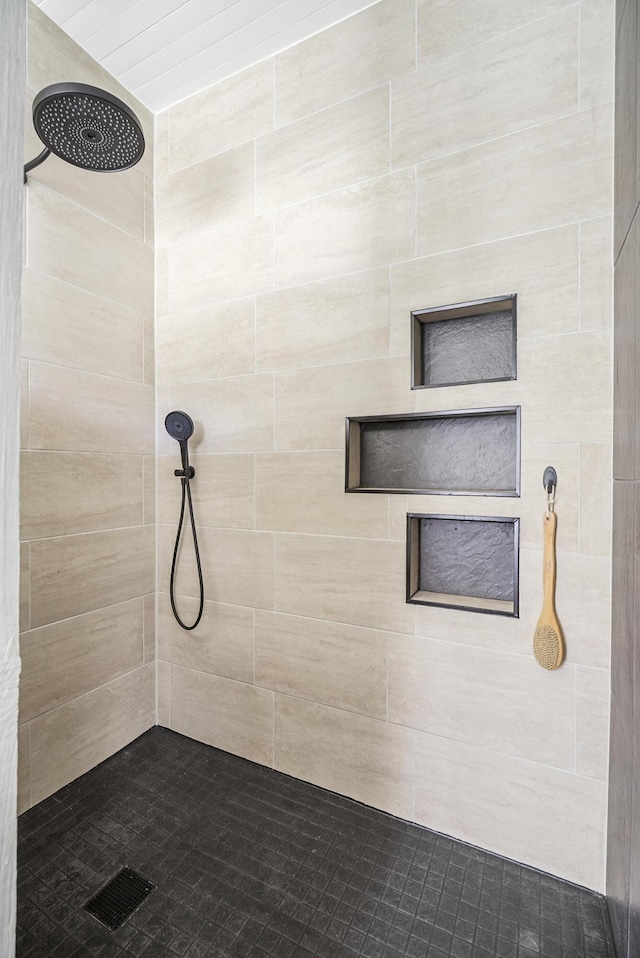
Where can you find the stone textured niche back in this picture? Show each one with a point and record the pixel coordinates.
(464, 343)
(467, 557)
(458, 454)
(467, 350)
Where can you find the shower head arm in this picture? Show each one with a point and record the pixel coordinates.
(40, 158)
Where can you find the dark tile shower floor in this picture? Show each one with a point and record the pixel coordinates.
(249, 863)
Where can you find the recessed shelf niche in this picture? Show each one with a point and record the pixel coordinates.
(464, 562)
(466, 343)
(464, 452)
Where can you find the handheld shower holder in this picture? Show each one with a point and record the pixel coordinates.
(189, 473)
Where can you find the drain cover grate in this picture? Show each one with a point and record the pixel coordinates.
(119, 898)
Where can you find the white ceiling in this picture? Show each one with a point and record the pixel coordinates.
(165, 50)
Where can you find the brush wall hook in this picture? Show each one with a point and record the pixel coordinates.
(550, 481)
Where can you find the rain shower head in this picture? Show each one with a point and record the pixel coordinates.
(179, 425)
(87, 127)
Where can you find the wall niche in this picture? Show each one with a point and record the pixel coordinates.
(463, 562)
(464, 452)
(466, 343)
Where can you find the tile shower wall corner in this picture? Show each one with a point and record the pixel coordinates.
(283, 311)
(88, 551)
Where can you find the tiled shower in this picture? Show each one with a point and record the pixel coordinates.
(259, 269)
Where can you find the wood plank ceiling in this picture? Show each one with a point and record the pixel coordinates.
(166, 50)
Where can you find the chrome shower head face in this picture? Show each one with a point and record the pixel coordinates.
(88, 127)
(179, 425)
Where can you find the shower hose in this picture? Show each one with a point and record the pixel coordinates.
(186, 500)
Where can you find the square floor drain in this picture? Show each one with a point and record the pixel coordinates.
(119, 898)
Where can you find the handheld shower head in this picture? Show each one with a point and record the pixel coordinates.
(180, 427)
(87, 127)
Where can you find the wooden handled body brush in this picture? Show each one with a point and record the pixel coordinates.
(548, 645)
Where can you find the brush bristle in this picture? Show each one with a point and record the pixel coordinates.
(547, 647)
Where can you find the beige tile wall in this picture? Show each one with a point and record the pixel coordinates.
(418, 154)
(88, 460)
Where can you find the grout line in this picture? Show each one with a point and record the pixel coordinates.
(411, 261)
(78, 615)
(89, 372)
(93, 212)
(97, 688)
(93, 532)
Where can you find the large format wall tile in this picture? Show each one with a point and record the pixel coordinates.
(592, 718)
(333, 321)
(71, 739)
(597, 47)
(237, 565)
(222, 644)
(354, 755)
(231, 415)
(339, 665)
(230, 262)
(575, 368)
(70, 326)
(360, 227)
(222, 491)
(76, 574)
(502, 702)
(584, 611)
(358, 54)
(291, 162)
(68, 492)
(209, 343)
(229, 715)
(67, 659)
(113, 264)
(596, 275)
(122, 205)
(513, 807)
(149, 627)
(547, 176)
(542, 269)
(202, 197)
(304, 492)
(73, 410)
(357, 581)
(229, 113)
(446, 28)
(596, 492)
(347, 389)
(513, 82)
